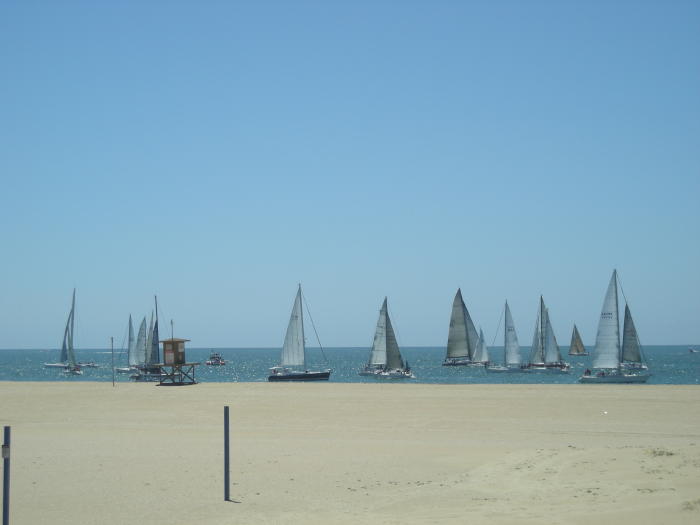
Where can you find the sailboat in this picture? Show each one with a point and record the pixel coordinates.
(576, 347)
(131, 352)
(615, 363)
(67, 357)
(512, 362)
(462, 339)
(545, 354)
(148, 350)
(481, 356)
(292, 365)
(385, 357)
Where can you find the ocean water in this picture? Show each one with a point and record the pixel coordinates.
(670, 365)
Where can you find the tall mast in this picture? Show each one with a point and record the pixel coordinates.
(301, 320)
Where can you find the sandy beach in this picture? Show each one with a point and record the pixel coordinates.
(88, 453)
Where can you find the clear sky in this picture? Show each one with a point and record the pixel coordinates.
(216, 153)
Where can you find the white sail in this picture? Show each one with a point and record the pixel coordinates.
(482, 353)
(141, 344)
(67, 347)
(149, 339)
(155, 341)
(607, 343)
(393, 355)
(551, 348)
(512, 348)
(377, 356)
(576, 347)
(293, 349)
(631, 352)
(472, 335)
(132, 345)
(457, 338)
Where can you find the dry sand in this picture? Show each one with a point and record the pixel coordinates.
(88, 453)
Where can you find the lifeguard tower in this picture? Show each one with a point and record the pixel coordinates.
(176, 371)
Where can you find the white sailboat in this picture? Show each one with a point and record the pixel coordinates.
(512, 361)
(481, 356)
(576, 347)
(545, 355)
(292, 365)
(67, 357)
(148, 350)
(462, 338)
(385, 359)
(612, 362)
(131, 352)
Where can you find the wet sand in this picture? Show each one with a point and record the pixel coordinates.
(88, 453)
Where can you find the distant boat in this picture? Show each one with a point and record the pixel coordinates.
(512, 362)
(545, 355)
(215, 359)
(576, 347)
(693, 351)
(147, 351)
(292, 365)
(385, 359)
(131, 352)
(463, 343)
(481, 356)
(67, 357)
(612, 362)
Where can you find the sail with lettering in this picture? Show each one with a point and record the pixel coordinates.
(511, 346)
(607, 341)
(576, 347)
(612, 362)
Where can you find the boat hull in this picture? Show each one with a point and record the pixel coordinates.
(564, 368)
(507, 369)
(615, 378)
(300, 376)
(462, 361)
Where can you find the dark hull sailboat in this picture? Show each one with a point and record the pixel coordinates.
(293, 359)
(291, 375)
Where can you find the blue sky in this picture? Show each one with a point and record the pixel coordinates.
(217, 153)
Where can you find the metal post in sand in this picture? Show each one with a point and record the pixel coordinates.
(227, 477)
(6, 478)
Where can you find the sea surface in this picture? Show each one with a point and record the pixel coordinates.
(669, 365)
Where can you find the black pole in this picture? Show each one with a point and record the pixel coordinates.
(6, 478)
(111, 339)
(227, 477)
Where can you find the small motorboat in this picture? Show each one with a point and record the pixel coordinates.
(215, 359)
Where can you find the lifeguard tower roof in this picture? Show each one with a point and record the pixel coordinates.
(175, 340)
